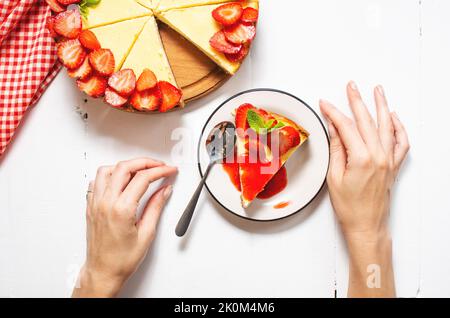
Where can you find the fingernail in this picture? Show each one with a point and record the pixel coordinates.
(380, 90)
(395, 115)
(167, 192)
(353, 86)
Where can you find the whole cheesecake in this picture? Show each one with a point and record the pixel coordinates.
(114, 50)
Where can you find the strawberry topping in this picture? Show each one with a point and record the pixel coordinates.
(81, 72)
(123, 82)
(68, 24)
(89, 40)
(240, 33)
(94, 85)
(228, 14)
(71, 53)
(148, 100)
(55, 6)
(102, 60)
(171, 96)
(114, 99)
(220, 43)
(147, 80)
(250, 15)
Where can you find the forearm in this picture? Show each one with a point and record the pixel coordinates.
(371, 273)
(92, 285)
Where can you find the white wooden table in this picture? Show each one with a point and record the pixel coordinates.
(308, 48)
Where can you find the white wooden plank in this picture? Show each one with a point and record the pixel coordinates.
(435, 181)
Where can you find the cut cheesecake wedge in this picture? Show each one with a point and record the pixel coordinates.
(148, 53)
(113, 11)
(165, 5)
(198, 26)
(120, 37)
(261, 154)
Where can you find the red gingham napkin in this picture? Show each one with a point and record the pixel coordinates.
(28, 61)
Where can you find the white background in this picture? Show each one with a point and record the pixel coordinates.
(308, 48)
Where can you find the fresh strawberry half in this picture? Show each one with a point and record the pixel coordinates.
(102, 60)
(147, 80)
(50, 26)
(289, 137)
(148, 100)
(220, 43)
(240, 56)
(94, 85)
(241, 116)
(68, 24)
(228, 14)
(123, 82)
(240, 33)
(89, 40)
(81, 72)
(171, 96)
(114, 99)
(71, 53)
(250, 15)
(68, 2)
(55, 6)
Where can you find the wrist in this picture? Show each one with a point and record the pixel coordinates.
(95, 284)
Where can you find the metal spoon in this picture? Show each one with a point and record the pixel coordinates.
(220, 145)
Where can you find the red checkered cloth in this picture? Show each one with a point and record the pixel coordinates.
(28, 61)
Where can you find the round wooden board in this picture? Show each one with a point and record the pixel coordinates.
(196, 74)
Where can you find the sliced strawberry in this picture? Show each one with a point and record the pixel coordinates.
(228, 14)
(71, 53)
(55, 6)
(94, 85)
(81, 72)
(289, 137)
(220, 43)
(250, 15)
(171, 96)
(89, 40)
(68, 24)
(123, 82)
(148, 100)
(241, 116)
(114, 99)
(50, 27)
(68, 2)
(240, 56)
(102, 60)
(147, 80)
(240, 33)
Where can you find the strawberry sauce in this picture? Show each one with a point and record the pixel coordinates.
(281, 205)
(275, 186)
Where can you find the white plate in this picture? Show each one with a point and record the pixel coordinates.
(307, 168)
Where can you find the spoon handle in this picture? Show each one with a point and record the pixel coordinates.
(185, 220)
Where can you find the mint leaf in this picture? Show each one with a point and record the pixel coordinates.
(84, 6)
(255, 121)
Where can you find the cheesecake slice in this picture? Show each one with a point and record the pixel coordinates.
(149, 4)
(198, 26)
(112, 11)
(265, 142)
(165, 5)
(120, 37)
(148, 53)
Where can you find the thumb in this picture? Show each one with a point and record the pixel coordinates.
(150, 217)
